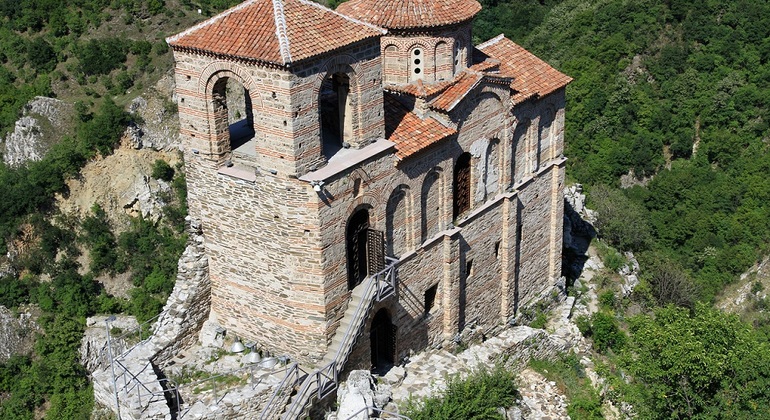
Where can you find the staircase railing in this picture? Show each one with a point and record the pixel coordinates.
(324, 380)
(272, 409)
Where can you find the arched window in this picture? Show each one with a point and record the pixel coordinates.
(233, 118)
(519, 153)
(462, 185)
(336, 114)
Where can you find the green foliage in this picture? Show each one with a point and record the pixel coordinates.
(162, 170)
(701, 364)
(679, 90)
(612, 259)
(669, 283)
(571, 379)
(607, 299)
(100, 241)
(604, 330)
(476, 397)
(619, 220)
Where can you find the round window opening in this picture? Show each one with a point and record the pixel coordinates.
(416, 61)
(417, 52)
(417, 71)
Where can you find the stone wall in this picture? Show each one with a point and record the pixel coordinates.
(136, 370)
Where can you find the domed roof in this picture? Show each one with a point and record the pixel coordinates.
(410, 14)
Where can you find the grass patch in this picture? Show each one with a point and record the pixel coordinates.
(571, 379)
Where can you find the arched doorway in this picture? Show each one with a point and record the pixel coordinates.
(356, 240)
(382, 337)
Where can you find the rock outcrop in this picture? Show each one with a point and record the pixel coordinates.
(17, 332)
(141, 390)
(157, 125)
(42, 124)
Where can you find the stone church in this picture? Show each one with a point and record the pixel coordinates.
(369, 182)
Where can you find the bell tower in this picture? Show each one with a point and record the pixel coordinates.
(264, 97)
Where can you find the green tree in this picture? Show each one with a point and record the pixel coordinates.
(620, 221)
(700, 364)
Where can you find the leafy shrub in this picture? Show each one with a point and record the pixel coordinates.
(607, 299)
(475, 397)
(606, 333)
(101, 56)
(622, 222)
(571, 379)
(699, 363)
(583, 323)
(669, 283)
(613, 260)
(98, 237)
(162, 170)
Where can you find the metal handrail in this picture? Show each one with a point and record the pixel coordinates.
(120, 341)
(292, 371)
(375, 288)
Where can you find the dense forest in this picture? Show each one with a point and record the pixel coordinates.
(93, 53)
(667, 127)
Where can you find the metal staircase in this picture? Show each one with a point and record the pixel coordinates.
(323, 381)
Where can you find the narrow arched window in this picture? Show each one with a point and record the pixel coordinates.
(462, 185)
(335, 108)
(416, 63)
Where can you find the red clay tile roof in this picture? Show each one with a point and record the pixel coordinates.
(419, 89)
(410, 14)
(532, 76)
(463, 84)
(488, 63)
(275, 31)
(410, 132)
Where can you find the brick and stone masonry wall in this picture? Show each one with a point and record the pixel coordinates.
(292, 289)
(444, 53)
(262, 233)
(488, 237)
(261, 239)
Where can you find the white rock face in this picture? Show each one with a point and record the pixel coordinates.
(158, 128)
(17, 333)
(355, 395)
(41, 125)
